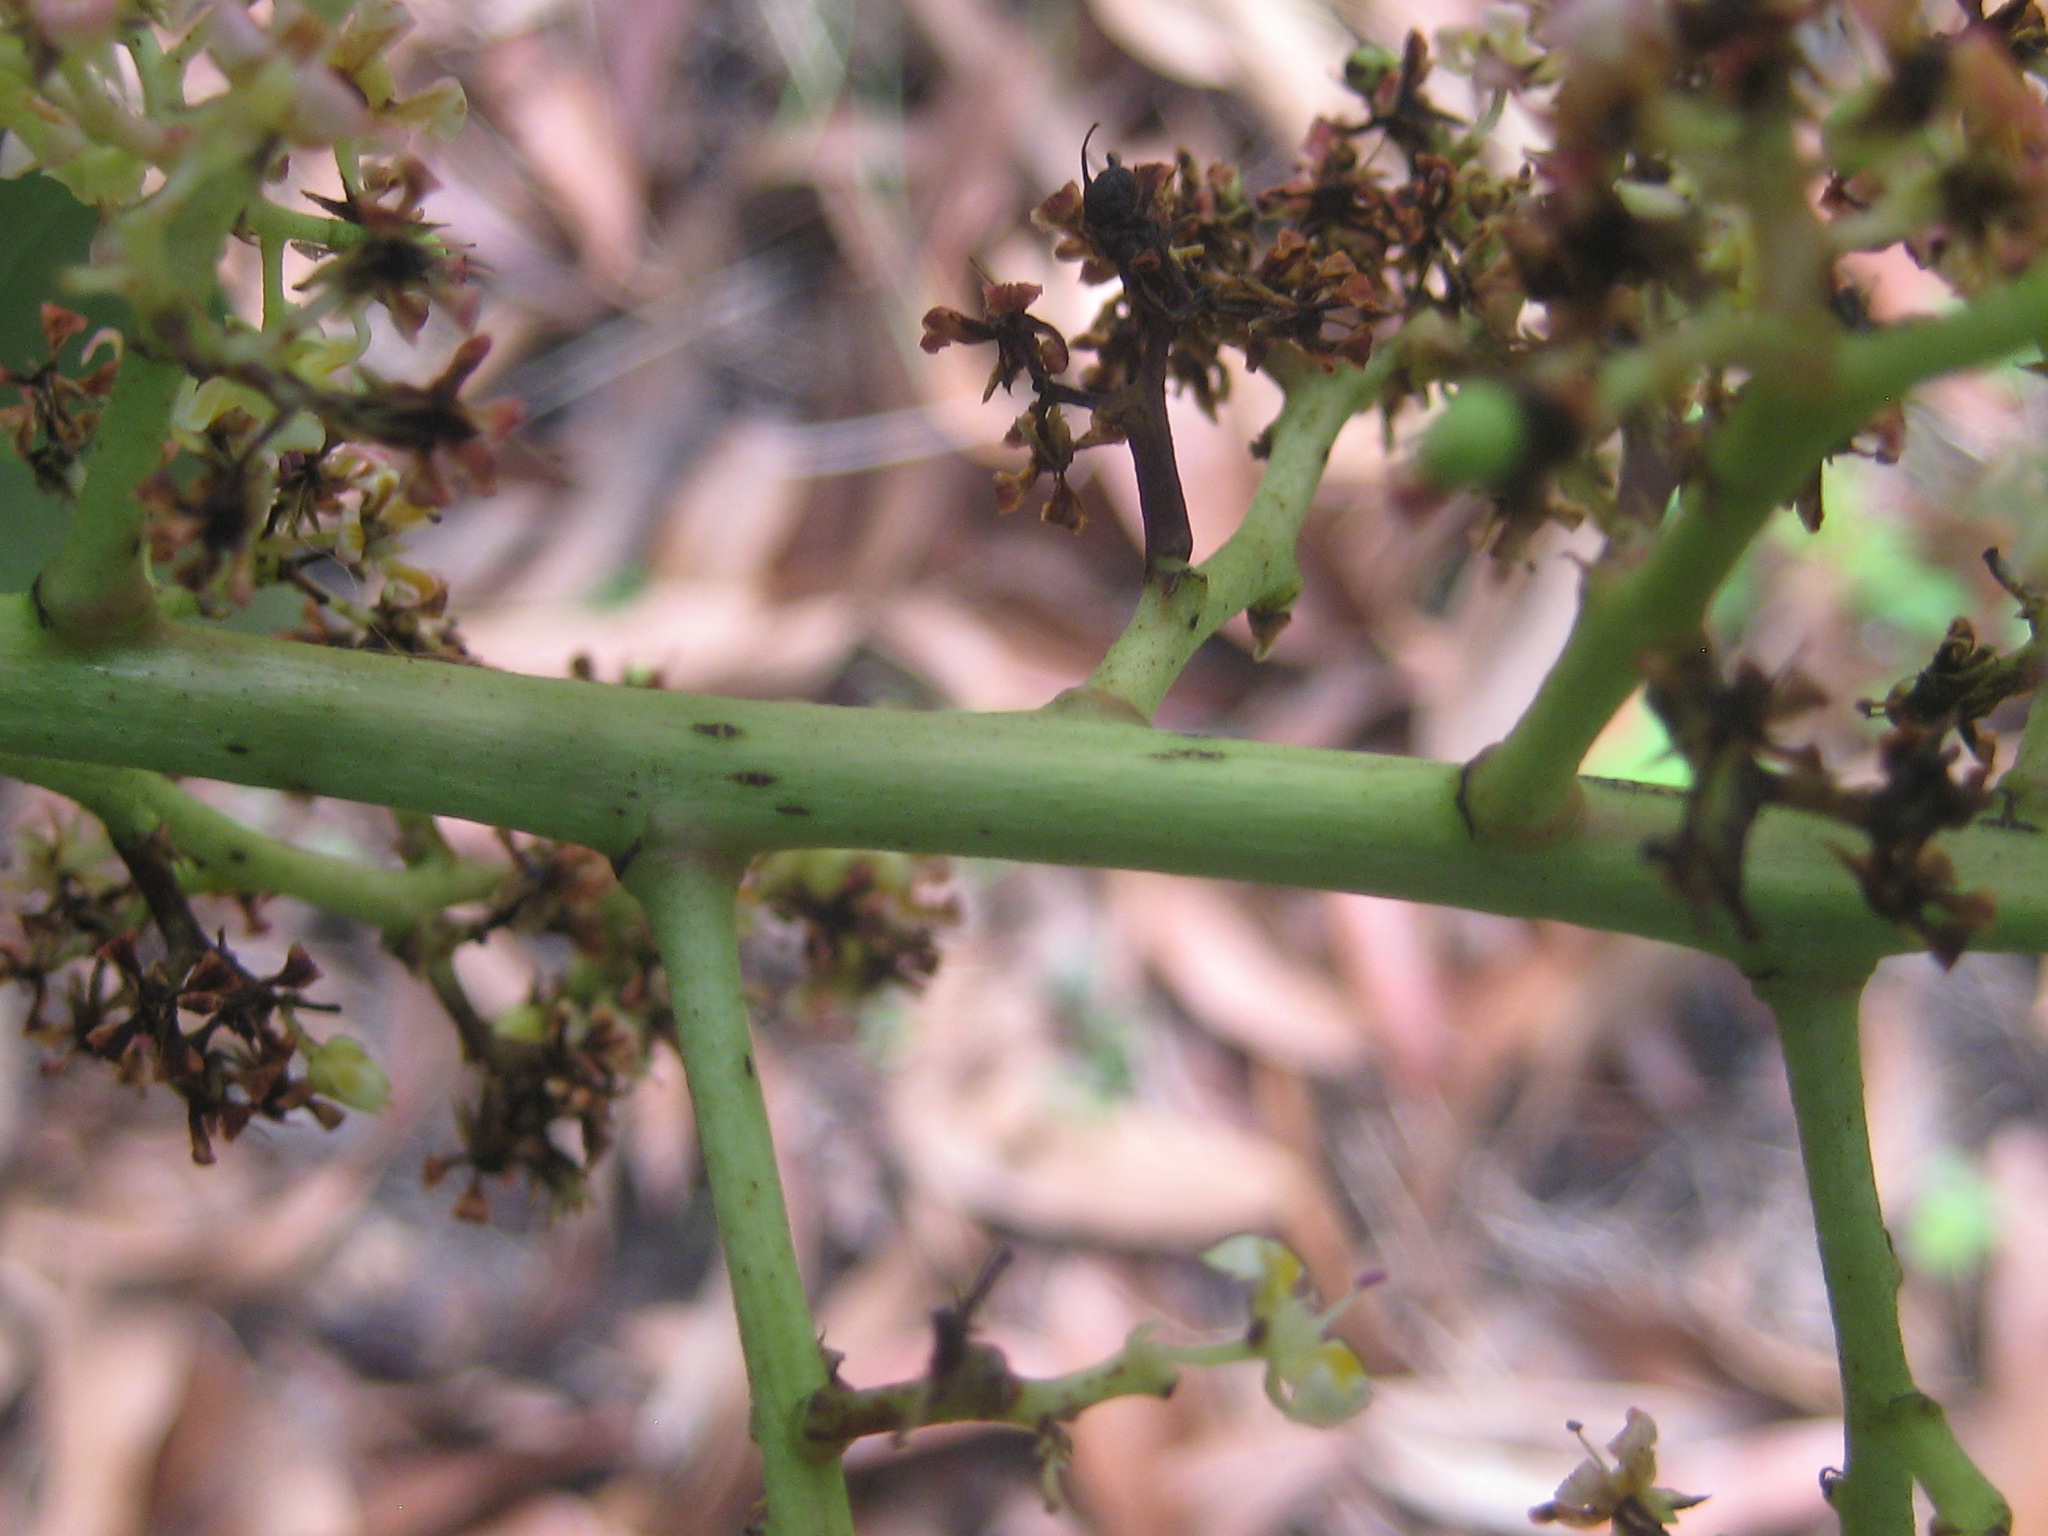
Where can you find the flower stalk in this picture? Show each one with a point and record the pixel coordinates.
(1255, 569)
(1895, 1434)
(690, 896)
(96, 590)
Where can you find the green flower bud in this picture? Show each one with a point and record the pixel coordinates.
(527, 1022)
(1368, 65)
(1481, 439)
(341, 1070)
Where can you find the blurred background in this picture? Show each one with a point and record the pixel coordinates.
(709, 229)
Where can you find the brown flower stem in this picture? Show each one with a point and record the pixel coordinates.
(479, 1040)
(1895, 1434)
(1162, 503)
(149, 865)
(690, 896)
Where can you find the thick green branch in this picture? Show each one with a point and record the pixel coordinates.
(222, 855)
(689, 897)
(1255, 569)
(1896, 1435)
(606, 767)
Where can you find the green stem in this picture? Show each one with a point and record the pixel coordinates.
(690, 899)
(96, 589)
(285, 225)
(1895, 1433)
(163, 88)
(278, 308)
(1774, 439)
(1525, 787)
(606, 766)
(1255, 568)
(223, 855)
(2026, 781)
(978, 1387)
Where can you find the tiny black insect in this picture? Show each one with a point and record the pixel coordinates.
(1113, 209)
(1108, 201)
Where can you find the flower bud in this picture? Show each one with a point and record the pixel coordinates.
(527, 1023)
(1482, 438)
(341, 1070)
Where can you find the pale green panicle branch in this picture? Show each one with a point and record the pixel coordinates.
(96, 589)
(1255, 569)
(221, 854)
(1896, 1435)
(690, 897)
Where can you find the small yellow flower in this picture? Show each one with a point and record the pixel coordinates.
(1309, 1377)
(1596, 1493)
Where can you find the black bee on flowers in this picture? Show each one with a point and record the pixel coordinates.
(1116, 214)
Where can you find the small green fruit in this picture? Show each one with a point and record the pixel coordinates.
(1481, 440)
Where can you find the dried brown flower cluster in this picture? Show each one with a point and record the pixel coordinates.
(1312, 267)
(120, 971)
(53, 423)
(1639, 218)
(867, 921)
(1724, 730)
(551, 1068)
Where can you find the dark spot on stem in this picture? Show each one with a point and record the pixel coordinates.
(747, 1063)
(238, 856)
(718, 730)
(236, 748)
(754, 778)
(1189, 755)
(1638, 787)
(792, 810)
(2008, 818)
(35, 601)
(1463, 798)
(1194, 623)
(624, 861)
